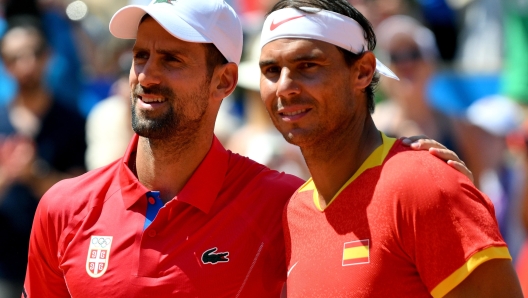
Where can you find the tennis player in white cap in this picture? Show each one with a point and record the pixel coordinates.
(376, 219)
(178, 215)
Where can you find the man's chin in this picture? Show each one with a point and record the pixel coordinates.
(150, 134)
(151, 130)
(300, 138)
(292, 138)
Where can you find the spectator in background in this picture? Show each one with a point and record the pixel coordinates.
(257, 138)
(515, 86)
(377, 10)
(480, 43)
(41, 142)
(490, 121)
(441, 18)
(63, 71)
(108, 129)
(412, 52)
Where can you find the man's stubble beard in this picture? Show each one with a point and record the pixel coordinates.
(175, 123)
(297, 135)
(322, 136)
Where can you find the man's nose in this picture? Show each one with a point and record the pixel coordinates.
(149, 73)
(287, 86)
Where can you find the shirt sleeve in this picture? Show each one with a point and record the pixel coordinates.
(44, 278)
(448, 227)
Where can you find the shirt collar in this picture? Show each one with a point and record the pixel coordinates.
(200, 191)
(376, 158)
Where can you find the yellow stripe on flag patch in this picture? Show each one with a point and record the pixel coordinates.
(356, 252)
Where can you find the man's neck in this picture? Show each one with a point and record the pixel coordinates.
(333, 162)
(166, 166)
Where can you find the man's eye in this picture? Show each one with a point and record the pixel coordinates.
(307, 65)
(140, 56)
(172, 59)
(271, 70)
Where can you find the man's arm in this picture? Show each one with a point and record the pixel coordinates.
(494, 278)
(44, 278)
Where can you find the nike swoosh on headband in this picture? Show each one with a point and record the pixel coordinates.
(274, 25)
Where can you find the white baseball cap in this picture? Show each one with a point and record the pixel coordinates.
(201, 21)
(496, 114)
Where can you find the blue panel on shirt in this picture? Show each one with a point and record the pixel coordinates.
(152, 209)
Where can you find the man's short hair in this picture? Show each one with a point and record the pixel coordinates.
(344, 8)
(32, 25)
(214, 58)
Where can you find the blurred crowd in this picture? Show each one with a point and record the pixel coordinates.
(64, 100)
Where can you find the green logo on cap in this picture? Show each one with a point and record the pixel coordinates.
(163, 1)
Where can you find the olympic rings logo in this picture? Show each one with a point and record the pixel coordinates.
(102, 241)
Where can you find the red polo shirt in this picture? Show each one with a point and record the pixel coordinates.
(220, 237)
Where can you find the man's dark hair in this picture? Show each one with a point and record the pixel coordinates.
(214, 58)
(31, 24)
(344, 8)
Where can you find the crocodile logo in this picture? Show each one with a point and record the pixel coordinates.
(163, 1)
(209, 256)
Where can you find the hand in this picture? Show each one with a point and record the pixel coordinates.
(17, 155)
(423, 142)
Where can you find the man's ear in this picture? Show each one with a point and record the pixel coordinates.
(365, 67)
(224, 80)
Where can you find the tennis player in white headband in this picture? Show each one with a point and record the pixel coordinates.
(319, 24)
(376, 219)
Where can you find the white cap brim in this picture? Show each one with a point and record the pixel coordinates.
(125, 22)
(384, 70)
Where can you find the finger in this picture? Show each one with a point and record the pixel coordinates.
(446, 154)
(408, 141)
(426, 144)
(462, 169)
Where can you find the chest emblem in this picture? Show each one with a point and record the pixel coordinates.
(209, 256)
(356, 252)
(98, 255)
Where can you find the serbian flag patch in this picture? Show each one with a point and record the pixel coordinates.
(98, 255)
(356, 252)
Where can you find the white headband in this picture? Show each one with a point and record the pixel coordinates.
(318, 24)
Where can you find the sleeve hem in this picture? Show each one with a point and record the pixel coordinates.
(465, 270)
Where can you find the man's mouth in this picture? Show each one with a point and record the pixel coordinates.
(151, 100)
(294, 113)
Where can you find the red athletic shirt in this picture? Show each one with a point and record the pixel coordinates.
(220, 237)
(405, 225)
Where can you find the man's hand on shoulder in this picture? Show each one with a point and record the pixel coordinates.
(422, 142)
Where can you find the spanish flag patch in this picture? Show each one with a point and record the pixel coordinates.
(356, 252)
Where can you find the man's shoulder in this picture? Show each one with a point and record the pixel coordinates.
(421, 180)
(421, 164)
(252, 172)
(80, 192)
